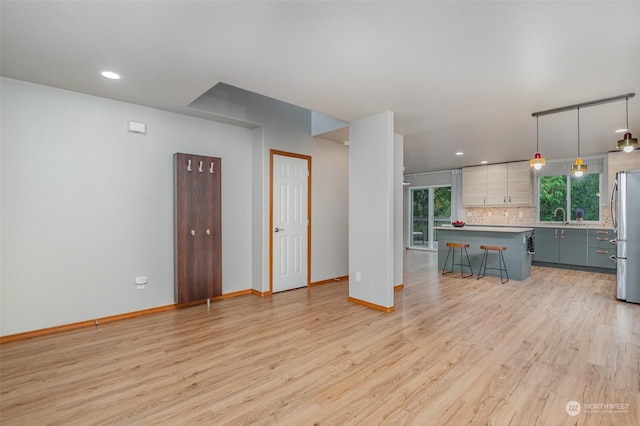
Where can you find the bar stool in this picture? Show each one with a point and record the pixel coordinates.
(501, 262)
(454, 246)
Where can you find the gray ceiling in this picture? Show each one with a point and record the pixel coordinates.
(458, 75)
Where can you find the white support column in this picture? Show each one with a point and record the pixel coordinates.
(398, 190)
(371, 210)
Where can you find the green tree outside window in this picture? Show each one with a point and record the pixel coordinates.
(571, 194)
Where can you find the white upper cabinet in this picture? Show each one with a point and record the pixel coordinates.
(519, 184)
(474, 186)
(507, 184)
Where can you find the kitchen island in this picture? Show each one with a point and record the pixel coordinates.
(515, 239)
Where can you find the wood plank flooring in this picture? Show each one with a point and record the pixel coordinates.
(455, 351)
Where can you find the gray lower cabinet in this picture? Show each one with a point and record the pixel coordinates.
(561, 245)
(601, 248)
(547, 246)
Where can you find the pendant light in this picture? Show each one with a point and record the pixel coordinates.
(578, 168)
(537, 161)
(627, 143)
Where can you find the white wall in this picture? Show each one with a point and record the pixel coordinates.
(87, 206)
(286, 127)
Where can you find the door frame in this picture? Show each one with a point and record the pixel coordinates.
(274, 152)
(430, 232)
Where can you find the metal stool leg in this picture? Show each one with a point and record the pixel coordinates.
(483, 262)
(505, 268)
(468, 263)
(444, 267)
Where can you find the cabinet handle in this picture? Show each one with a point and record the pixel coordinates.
(193, 232)
(484, 200)
(189, 166)
(562, 233)
(504, 200)
(200, 167)
(509, 198)
(602, 232)
(211, 168)
(555, 233)
(601, 239)
(602, 251)
(208, 231)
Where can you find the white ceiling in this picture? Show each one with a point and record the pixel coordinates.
(458, 75)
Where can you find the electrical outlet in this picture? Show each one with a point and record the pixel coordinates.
(358, 276)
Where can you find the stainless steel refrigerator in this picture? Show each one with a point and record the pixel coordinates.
(625, 216)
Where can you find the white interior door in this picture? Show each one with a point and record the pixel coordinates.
(290, 222)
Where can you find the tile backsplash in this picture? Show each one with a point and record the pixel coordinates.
(513, 216)
(500, 215)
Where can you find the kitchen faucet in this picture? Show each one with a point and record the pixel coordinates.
(564, 215)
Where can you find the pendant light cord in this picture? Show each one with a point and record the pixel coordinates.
(537, 135)
(627, 102)
(578, 132)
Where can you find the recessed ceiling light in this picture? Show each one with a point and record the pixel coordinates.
(484, 162)
(459, 153)
(621, 130)
(110, 74)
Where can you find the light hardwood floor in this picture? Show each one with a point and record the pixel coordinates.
(455, 351)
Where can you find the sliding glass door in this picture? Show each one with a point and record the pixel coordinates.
(430, 207)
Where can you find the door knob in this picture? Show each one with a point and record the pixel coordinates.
(278, 229)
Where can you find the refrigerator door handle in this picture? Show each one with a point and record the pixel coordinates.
(614, 189)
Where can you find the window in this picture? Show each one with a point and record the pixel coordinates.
(558, 188)
(571, 194)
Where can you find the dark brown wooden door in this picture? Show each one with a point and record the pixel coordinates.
(198, 233)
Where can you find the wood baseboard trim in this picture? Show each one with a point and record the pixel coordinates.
(112, 318)
(398, 287)
(260, 293)
(371, 305)
(329, 281)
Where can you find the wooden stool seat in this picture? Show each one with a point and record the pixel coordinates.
(454, 246)
(493, 248)
(457, 245)
(502, 265)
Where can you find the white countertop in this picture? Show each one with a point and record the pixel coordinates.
(507, 229)
(571, 225)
